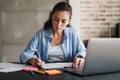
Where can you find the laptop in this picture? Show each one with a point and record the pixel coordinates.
(103, 56)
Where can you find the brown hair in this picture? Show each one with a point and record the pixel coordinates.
(61, 6)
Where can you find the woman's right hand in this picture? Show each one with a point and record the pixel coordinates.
(36, 62)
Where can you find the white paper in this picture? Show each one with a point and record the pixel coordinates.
(6, 65)
(11, 67)
(56, 65)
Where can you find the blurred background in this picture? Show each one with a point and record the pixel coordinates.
(21, 19)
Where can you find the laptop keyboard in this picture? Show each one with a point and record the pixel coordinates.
(77, 70)
(73, 70)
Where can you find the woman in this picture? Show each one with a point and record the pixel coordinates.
(57, 41)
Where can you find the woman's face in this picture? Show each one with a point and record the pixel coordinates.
(60, 20)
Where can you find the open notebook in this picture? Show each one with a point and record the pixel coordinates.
(56, 65)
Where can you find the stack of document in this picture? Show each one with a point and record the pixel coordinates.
(11, 67)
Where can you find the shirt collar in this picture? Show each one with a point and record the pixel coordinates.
(49, 32)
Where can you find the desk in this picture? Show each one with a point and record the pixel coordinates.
(20, 75)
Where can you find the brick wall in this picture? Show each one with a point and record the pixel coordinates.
(0, 32)
(97, 18)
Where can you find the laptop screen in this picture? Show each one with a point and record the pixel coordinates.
(103, 55)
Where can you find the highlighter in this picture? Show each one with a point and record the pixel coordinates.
(39, 71)
(31, 72)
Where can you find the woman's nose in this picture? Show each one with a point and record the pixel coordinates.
(59, 23)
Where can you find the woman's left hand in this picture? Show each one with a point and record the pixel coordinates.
(78, 62)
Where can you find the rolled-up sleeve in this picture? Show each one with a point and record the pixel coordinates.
(80, 47)
(29, 51)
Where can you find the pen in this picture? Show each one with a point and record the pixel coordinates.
(31, 72)
(38, 53)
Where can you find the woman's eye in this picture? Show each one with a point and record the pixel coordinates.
(63, 21)
(55, 19)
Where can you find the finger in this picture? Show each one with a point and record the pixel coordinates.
(81, 67)
(33, 62)
(73, 64)
(81, 63)
(43, 62)
(76, 62)
(39, 62)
